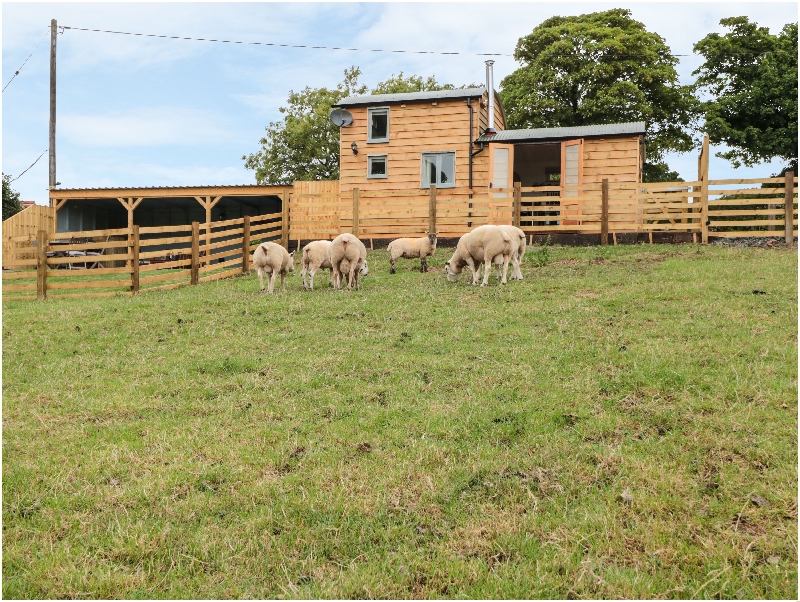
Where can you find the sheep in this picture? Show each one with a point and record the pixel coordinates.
(316, 256)
(410, 248)
(484, 244)
(271, 258)
(348, 255)
(519, 245)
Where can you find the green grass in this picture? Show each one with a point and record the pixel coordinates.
(417, 438)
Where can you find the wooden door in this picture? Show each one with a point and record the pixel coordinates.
(571, 175)
(501, 176)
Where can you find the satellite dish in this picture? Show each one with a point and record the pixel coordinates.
(341, 118)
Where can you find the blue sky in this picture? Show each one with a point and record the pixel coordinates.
(136, 111)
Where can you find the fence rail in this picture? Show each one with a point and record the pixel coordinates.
(124, 261)
(705, 208)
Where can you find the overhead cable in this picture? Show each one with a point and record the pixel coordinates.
(31, 165)
(16, 73)
(152, 35)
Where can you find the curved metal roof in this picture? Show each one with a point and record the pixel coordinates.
(410, 97)
(582, 131)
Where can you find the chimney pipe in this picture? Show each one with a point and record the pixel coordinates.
(490, 131)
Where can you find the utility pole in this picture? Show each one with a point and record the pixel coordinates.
(53, 34)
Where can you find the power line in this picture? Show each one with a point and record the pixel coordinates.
(152, 35)
(16, 73)
(31, 165)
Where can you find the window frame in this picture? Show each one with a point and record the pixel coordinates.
(370, 112)
(427, 185)
(370, 175)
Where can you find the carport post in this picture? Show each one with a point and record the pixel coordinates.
(135, 259)
(246, 245)
(41, 264)
(195, 252)
(517, 204)
(285, 220)
(789, 207)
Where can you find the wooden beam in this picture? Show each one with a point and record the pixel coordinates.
(789, 207)
(135, 259)
(246, 245)
(41, 264)
(166, 192)
(702, 177)
(355, 211)
(604, 214)
(432, 209)
(195, 252)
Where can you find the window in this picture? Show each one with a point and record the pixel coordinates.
(378, 125)
(376, 166)
(439, 169)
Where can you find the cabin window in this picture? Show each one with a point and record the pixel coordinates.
(376, 166)
(439, 169)
(378, 125)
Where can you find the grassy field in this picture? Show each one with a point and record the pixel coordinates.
(622, 423)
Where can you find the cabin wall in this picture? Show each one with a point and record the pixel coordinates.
(416, 128)
(618, 159)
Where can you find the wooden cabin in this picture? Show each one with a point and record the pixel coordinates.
(412, 140)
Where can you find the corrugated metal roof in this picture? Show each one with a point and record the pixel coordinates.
(608, 129)
(410, 97)
(174, 187)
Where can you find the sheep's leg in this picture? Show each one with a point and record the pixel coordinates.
(311, 273)
(488, 260)
(303, 275)
(391, 267)
(351, 278)
(423, 265)
(337, 278)
(260, 280)
(272, 276)
(517, 267)
(471, 264)
(505, 269)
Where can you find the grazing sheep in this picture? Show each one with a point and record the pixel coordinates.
(316, 256)
(272, 259)
(485, 244)
(411, 248)
(519, 245)
(347, 255)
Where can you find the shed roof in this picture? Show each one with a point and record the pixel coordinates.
(372, 99)
(607, 129)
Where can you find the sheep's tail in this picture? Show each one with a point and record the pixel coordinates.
(265, 249)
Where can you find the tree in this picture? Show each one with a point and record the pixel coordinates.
(397, 84)
(660, 172)
(11, 204)
(305, 145)
(600, 68)
(751, 76)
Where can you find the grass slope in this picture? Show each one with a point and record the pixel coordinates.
(596, 430)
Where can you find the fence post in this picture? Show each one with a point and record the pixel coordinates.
(517, 219)
(604, 214)
(246, 245)
(41, 264)
(789, 207)
(432, 209)
(135, 259)
(195, 252)
(355, 212)
(284, 220)
(702, 176)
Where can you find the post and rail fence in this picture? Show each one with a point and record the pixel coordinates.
(134, 259)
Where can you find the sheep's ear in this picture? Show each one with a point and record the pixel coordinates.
(291, 254)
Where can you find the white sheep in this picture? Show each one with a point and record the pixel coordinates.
(316, 256)
(518, 244)
(273, 259)
(485, 244)
(411, 248)
(347, 255)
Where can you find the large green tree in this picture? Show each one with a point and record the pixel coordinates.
(11, 204)
(598, 68)
(751, 78)
(305, 145)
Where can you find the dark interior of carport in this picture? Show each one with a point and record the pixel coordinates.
(101, 214)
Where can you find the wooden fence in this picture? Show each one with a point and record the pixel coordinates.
(705, 208)
(27, 223)
(125, 261)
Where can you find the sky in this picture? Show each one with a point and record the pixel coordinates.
(139, 111)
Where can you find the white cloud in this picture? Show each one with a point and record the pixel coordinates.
(142, 127)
